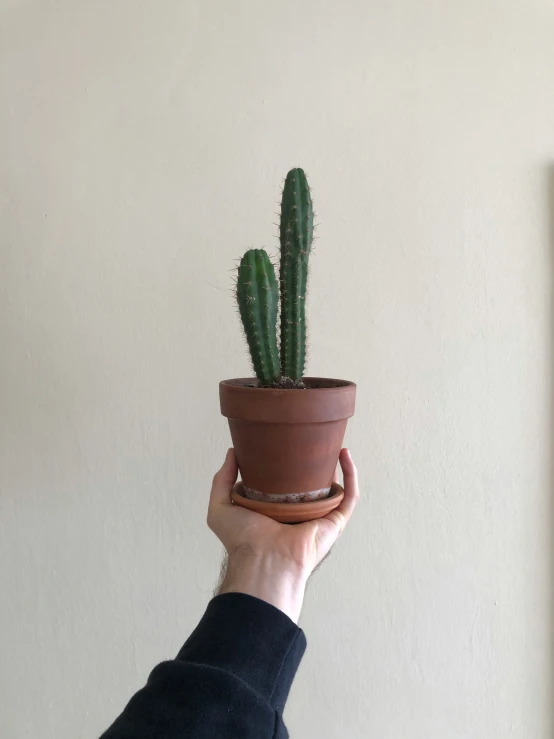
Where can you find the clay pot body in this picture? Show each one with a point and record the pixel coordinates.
(287, 441)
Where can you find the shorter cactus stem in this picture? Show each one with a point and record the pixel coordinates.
(258, 299)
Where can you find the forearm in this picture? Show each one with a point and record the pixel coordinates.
(231, 678)
(267, 577)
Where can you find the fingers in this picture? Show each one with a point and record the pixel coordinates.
(341, 515)
(349, 474)
(224, 479)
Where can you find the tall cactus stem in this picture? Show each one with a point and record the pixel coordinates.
(295, 236)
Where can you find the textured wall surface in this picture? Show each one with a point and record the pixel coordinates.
(142, 148)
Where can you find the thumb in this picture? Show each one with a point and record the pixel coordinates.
(224, 479)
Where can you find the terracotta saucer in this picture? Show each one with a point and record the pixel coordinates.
(290, 512)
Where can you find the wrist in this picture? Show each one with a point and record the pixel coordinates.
(268, 577)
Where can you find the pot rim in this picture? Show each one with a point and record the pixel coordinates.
(285, 405)
(245, 384)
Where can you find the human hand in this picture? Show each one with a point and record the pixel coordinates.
(271, 560)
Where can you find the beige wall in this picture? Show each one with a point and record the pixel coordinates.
(142, 147)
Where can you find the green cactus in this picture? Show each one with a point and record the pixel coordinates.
(258, 299)
(258, 295)
(295, 236)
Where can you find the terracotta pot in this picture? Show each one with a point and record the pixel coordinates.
(287, 442)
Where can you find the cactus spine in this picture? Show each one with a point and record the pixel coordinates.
(295, 236)
(258, 295)
(258, 299)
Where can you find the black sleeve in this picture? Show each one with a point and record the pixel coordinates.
(231, 678)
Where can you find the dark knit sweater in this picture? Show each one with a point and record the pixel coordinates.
(231, 678)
